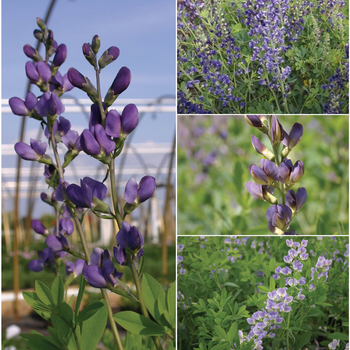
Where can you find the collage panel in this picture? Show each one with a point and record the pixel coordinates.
(258, 292)
(265, 57)
(263, 174)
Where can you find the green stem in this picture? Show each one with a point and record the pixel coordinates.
(114, 193)
(76, 339)
(288, 331)
(140, 297)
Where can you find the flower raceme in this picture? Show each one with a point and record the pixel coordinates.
(276, 171)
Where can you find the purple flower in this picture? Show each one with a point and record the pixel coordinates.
(60, 55)
(38, 227)
(278, 217)
(129, 119)
(57, 243)
(33, 54)
(83, 83)
(277, 132)
(129, 239)
(33, 152)
(83, 196)
(260, 148)
(296, 201)
(45, 259)
(136, 194)
(89, 54)
(294, 136)
(289, 173)
(108, 56)
(75, 268)
(38, 72)
(266, 175)
(120, 84)
(101, 273)
(95, 141)
(261, 192)
(49, 105)
(23, 108)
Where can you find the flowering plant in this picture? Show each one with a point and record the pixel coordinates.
(103, 140)
(282, 56)
(263, 292)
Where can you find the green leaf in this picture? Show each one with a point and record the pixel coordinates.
(231, 284)
(138, 324)
(338, 335)
(220, 332)
(171, 303)
(151, 290)
(162, 314)
(80, 295)
(272, 284)
(237, 176)
(41, 309)
(133, 341)
(141, 266)
(64, 331)
(38, 342)
(66, 312)
(89, 310)
(232, 333)
(57, 291)
(54, 338)
(44, 294)
(93, 328)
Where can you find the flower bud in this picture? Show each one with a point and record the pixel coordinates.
(41, 23)
(261, 192)
(32, 53)
(257, 121)
(60, 55)
(38, 227)
(296, 201)
(278, 217)
(291, 140)
(89, 54)
(261, 148)
(129, 119)
(83, 83)
(277, 132)
(95, 44)
(120, 84)
(38, 34)
(108, 56)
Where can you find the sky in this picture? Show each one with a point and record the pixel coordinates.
(144, 31)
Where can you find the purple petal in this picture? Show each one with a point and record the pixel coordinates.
(38, 227)
(38, 146)
(113, 123)
(60, 191)
(18, 106)
(114, 52)
(271, 211)
(99, 190)
(295, 135)
(42, 106)
(69, 267)
(270, 169)
(75, 194)
(135, 239)
(123, 234)
(87, 192)
(284, 170)
(54, 243)
(44, 71)
(31, 100)
(67, 86)
(60, 55)
(25, 151)
(55, 105)
(297, 172)
(64, 125)
(130, 192)
(70, 138)
(29, 51)
(258, 175)
(255, 190)
(300, 198)
(121, 81)
(120, 255)
(129, 118)
(79, 266)
(107, 144)
(89, 143)
(36, 265)
(76, 78)
(95, 115)
(31, 72)
(67, 226)
(147, 187)
(94, 277)
(96, 257)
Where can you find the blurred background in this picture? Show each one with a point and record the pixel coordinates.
(145, 34)
(214, 153)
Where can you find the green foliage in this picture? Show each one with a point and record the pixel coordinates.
(214, 200)
(232, 281)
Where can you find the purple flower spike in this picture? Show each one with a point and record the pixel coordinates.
(136, 194)
(278, 217)
(108, 56)
(38, 227)
(129, 119)
(83, 196)
(75, 268)
(296, 200)
(60, 55)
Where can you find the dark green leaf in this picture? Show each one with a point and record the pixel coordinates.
(89, 310)
(57, 291)
(151, 290)
(44, 294)
(38, 342)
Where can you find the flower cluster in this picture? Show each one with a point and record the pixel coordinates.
(103, 139)
(277, 171)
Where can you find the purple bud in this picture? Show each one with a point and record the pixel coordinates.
(38, 227)
(277, 132)
(31, 72)
(32, 53)
(30, 100)
(146, 188)
(89, 144)
(113, 123)
(18, 107)
(89, 54)
(296, 200)
(135, 239)
(76, 78)
(120, 255)
(95, 43)
(121, 81)
(129, 119)
(55, 105)
(25, 151)
(108, 56)
(60, 55)
(261, 148)
(131, 189)
(294, 136)
(44, 71)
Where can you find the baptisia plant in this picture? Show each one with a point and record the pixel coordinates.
(277, 172)
(103, 140)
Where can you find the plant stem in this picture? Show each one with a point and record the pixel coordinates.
(288, 329)
(114, 193)
(111, 320)
(140, 297)
(103, 116)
